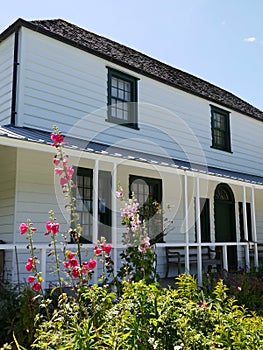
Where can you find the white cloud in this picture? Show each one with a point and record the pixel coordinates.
(250, 39)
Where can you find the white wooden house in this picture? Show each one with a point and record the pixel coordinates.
(129, 119)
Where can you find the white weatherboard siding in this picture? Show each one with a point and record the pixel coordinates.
(6, 75)
(37, 193)
(7, 192)
(65, 86)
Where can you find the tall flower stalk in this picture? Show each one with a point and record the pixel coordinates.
(65, 171)
(31, 266)
(138, 258)
(52, 229)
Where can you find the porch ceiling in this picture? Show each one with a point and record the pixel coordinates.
(43, 137)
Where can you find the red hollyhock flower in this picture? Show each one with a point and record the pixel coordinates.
(75, 272)
(56, 161)
(92, 263)
(106, 247)
(73, 262)
(31, 279)
(29, 266)
(66, 264)
(37, 286)
(97, 250)
(70, 255)
(57, 138)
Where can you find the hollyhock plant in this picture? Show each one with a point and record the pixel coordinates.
(72, 261)
(138, 258)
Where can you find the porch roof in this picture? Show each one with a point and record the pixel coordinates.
(43, 137)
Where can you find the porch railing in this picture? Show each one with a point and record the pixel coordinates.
(250, 253)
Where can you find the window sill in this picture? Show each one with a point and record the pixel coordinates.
(120, 122)
(221, 149)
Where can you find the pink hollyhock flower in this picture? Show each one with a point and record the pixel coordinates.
(55, 227)
(63, 181)
(23, 228)
(49, 225)
(70, 172)
(119, 194)
(97, 250)
(56, 161)
(30, 279)
(37, 286)
(92, 263)
(59, 171)
(75, 272)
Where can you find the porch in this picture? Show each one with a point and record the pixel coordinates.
(208, 208)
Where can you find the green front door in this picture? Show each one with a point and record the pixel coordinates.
(225, 223)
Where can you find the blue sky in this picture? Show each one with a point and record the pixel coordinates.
(220, 41)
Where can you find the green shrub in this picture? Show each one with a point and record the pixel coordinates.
(245, 287)
(149, 317)
(18, 309)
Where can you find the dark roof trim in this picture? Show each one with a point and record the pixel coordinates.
(14, 80)
(151, 67)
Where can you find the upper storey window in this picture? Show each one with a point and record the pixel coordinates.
(220, 129)
(122, 99)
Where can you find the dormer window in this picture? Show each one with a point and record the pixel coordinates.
(122, 99)
(220, 129)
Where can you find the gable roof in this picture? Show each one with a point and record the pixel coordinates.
(136, 61)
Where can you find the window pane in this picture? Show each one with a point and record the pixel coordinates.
(114, 82)
(114, 92)
(121, 94)
(84, 201)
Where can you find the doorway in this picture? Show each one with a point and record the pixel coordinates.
(225, 221)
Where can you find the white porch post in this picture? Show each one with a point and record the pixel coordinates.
(43, 257)
(199, 248)
(245, 226)
(95, 208)
(254, 226)
(186, 218)
(114, 217)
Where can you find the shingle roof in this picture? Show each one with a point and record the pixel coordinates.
(145, 65)
(43, 137)
(136, 61)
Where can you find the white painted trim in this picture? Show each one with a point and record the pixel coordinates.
(95, 209)
(114, 217)
(186, 215)
(198, 227)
